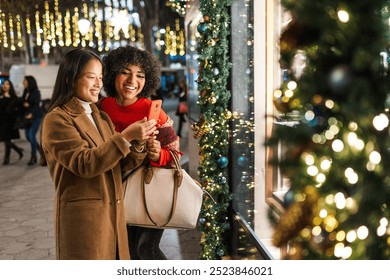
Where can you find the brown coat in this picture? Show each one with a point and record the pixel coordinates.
(86, 167)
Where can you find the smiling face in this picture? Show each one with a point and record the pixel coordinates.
(89, 84)
(129, 82)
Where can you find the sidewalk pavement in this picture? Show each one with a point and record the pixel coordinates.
(26, 214)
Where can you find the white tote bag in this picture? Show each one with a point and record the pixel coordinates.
(162, 198)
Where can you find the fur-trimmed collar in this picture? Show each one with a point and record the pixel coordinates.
(74, 107)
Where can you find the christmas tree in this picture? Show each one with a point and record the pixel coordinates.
(337, 148)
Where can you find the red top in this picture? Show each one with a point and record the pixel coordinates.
(123, 116)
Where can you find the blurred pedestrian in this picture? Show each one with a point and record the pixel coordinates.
(33, 111)
(86, 159)
(8, 113)
(182, 107)
(132, 75)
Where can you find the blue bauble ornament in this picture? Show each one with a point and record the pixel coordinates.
(242, 161)
(289, 198)
(202, 220)
(202, 27)
(223, 162)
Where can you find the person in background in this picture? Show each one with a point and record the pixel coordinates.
(182, 107)
(86, 158)
(32, 106)
(132, 75)
(8, 112)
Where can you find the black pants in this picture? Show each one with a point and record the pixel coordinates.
(182, 119)
(10, 145)
(144, 243)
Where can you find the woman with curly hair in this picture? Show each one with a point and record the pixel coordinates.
(132, 75)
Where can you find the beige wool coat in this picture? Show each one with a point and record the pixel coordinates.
(86, 165)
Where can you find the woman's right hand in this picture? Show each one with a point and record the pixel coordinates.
(140, 131)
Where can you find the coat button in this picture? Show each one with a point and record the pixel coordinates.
(118, 200)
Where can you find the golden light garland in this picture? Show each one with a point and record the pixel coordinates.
(56, 28)
(172, 39)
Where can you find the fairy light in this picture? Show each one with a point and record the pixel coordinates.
(179, 6)
(351, 175)
(53, 30)
(83, 25)
(312, 170)
(132, 33)
(1, 27)
(109, 29)
(382, 228)
(76, 34)
(343, 16)
(340, 236)
(375, 157)
(67, 28)
(380, 122)
(88, 14)
(47, 22)
(292, 85)
(339, 200)
(330, 223)
(58, 24)
(19, 31)
(28, 25)
(140, 37)
(325, 164)
(337, 145)
(38, 28)
(11, 33)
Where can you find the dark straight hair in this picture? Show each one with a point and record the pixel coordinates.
(31, 88)
(12, 92)
(72, 66)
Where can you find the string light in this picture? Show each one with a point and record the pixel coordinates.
(61, 28)
(179, 6)
(12, 33)
(171, 40)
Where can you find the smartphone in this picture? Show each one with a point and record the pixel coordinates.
(155, 108)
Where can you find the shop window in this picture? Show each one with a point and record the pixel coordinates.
(277, 185)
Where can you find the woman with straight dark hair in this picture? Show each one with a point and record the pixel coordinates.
(86, 158)
(8, 113)
(32, 107)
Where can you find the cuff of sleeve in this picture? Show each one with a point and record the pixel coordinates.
(127, 142)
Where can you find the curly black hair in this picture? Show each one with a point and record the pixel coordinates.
(117, 59)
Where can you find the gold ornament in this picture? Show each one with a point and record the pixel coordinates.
(211, 42)
(236, 115)
(227, 115)
(213, 100)
(298, 216)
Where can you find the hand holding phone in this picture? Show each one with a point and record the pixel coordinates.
(155, 108)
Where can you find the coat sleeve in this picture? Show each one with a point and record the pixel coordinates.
(63, 141)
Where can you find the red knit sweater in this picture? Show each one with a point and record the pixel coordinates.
(123, 116)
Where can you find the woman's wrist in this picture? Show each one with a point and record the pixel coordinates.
(138, 147)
